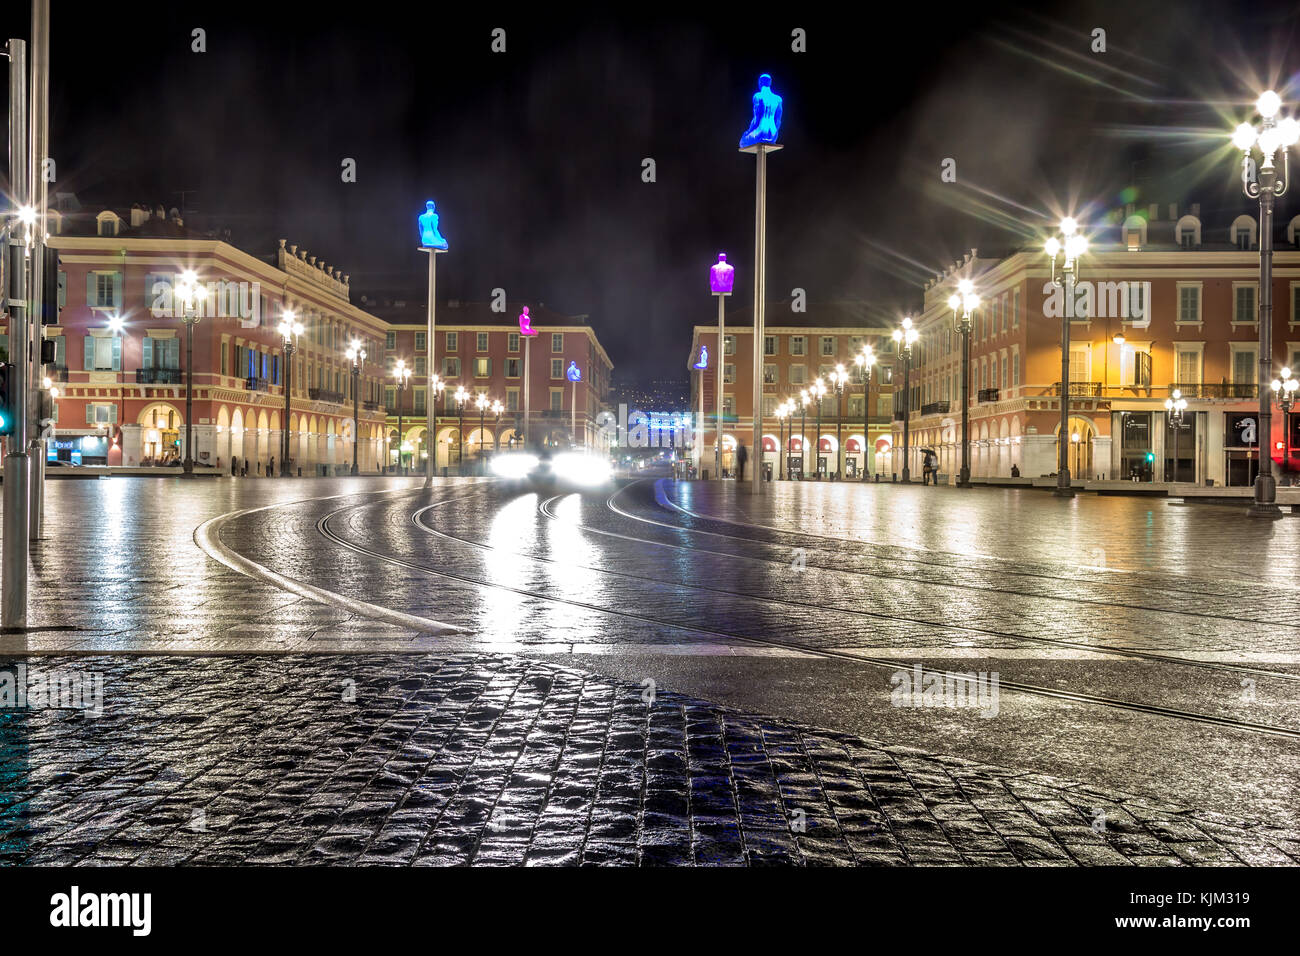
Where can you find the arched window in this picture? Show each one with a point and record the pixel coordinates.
(1188, 232)
(1135, 232)
(1242, 233)
(1293, 231)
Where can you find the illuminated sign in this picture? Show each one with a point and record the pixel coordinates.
(766, 123)
(430, 237)
(574, 373)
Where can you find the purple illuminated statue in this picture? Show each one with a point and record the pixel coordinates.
(722, 276)
(766, 124)
(526, 323)
(704, 358)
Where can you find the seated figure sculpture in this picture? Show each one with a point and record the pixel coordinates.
(430, 237)
(526, 323)
(766, 124)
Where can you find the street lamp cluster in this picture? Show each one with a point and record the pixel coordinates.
(905, 337)
(462, 397)
(816, 391)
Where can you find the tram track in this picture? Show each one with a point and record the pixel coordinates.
(323, 526)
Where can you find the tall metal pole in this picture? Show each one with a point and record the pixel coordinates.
(528, 351)
(963, 477)
(907, 410)
(839, 443)
(868, 452)
(356, 416)
(1063, 487)
(817, 441)
(760, 301)
(189, 396)
(573, 415)
(431, 394)
(803, 440)
(17, 473)
(401, 389)
(39, 105)
(717, 386)
(1265, 504)
(289, 349)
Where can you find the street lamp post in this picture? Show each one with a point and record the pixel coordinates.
(528, 333)
(839, 378)
(781, 415)
(722, 279)
(817, 391)
(803, 430)
(906, 337)
(866, 358)
(482, 402)
(1284, 389)
(187, 293)
(760, 139)
(403, 375)
(497, 409)
(1074, 245)
(461, 397)
(356, 354)
(963, 302)
(1174, 407)
(290, 328)
(1273, 136)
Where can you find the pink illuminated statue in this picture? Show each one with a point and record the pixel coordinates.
(526, 323)
(722, 276)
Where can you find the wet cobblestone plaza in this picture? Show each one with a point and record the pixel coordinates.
(363, 671)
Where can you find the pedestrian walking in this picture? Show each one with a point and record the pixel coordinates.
(270, 467)
(742, 456)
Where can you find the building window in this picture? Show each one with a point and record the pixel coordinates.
(421, 341)
(728, 374)
(828, 345)
(1015, 369)
(1243, 366)
(1015, 309)
(728, 406)
(557, 368)
(1189, 303)
(419, 400)
(1244, 296)
(482, 367)
(769, 375)
(453, 341)
(769, 345)
(769, 406)
(481, 341)
(798, 374)
(512, 342)
(103, 353)
(421, 366)
(103, 290)
(729, 345)
(451, 366)
(557, 341)
(512, 399)
(797, 345)
(514, 367)
(557, 399)
(1188, 367)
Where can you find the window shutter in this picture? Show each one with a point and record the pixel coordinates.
(117, 354)
(90, 414)
(147, 361)
(91, 292)
(117, 290)
(89, 353)
(112, 414)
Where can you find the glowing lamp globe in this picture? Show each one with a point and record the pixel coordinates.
(1268, 104)
(1052, 247)
(954, 302)
(1243, 137)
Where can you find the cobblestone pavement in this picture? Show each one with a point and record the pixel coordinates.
(489, 759)
(729, 601)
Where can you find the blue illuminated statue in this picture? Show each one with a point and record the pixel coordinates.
(704, 357)
(430, 237)
(766, 124)
(574, 373)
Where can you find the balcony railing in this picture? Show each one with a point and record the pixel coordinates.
(255, 384)
(935, 408)
(1221, 390)
(372, 406)
(159, 376)
(325, 395)
(1086, 389)
(57, 373)
(989, 395)
(898, 415)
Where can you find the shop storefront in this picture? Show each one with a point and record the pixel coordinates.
(1240, 448)
(78, 450)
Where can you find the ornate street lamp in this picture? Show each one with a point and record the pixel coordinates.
(483, 402)
(1074, 245)
(497, 409)
(290, 328)
(864, 360)
(461, 396)
(804, 399)
(187, 291)
(963, 302)
(1273, 136)
(1174, 408)
(782, 413)
(403, 375)
(1284, 389)
(906, 337)
(816, 392)
(356, 355)
(839, 378)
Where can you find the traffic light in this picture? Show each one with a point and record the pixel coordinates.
(6, 401)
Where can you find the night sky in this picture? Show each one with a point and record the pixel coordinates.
(535, 156)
